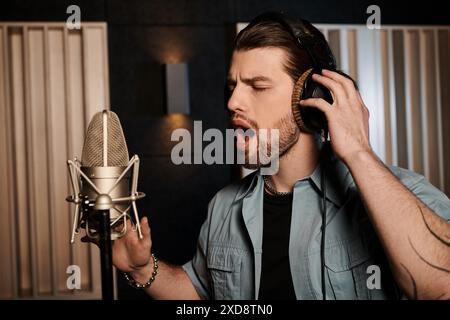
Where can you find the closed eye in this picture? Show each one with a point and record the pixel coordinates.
(260, 89)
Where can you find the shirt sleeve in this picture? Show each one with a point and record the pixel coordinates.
(196, 268)
(431, 196)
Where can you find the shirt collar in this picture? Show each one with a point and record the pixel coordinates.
(338, 180)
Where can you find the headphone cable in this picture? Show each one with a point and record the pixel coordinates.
(324, 158)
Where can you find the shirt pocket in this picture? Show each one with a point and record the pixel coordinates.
(224, 265)
(346, 269)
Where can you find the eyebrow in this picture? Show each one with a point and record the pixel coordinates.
(251, 80)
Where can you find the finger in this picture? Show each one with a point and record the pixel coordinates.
(145, 228)
(345, 82)
(131, 234)
(335, 87)
(318, 103)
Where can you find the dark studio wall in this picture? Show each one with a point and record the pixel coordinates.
(144, 34)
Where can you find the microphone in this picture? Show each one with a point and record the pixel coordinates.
(105, 179)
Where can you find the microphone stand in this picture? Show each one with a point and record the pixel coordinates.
(103, 204)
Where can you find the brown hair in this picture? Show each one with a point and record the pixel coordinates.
(272, 34)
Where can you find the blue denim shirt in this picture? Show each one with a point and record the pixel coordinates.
(227, 263)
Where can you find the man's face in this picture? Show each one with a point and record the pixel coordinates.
(261, 93)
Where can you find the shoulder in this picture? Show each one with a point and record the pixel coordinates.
(407, 177)
(423, 189)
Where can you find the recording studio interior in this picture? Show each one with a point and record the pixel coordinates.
(142, 74)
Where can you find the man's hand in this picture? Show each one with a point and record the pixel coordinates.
(130, 253)
(348, 117)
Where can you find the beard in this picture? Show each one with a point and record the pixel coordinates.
(288, 137)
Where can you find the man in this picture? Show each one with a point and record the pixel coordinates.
(262, 235)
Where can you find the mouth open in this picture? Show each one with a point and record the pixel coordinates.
(243, 134)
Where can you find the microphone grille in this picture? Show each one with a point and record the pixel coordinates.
(117, 151)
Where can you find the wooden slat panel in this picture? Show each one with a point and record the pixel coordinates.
(444, 54)
(6, 236)
(413, 99)
(76, 128)
(352, 52)
(58, 155)
(429, 107)
(439, 109)
(335, 45)
(45, 91)
(20, 159)
(399, 83)
(39, 196)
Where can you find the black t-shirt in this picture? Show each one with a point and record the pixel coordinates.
(276, 279)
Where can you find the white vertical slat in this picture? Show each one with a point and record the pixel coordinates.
(423, 103)
(370, 78)
(104, 32)
(407, 78)
(343, 34)
(439, 110)
(386, 84)
(392, 94)
(94, 73)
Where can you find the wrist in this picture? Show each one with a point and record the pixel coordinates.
(144, 276)
(359, 156)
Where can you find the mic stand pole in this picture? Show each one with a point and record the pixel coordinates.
(103, 204)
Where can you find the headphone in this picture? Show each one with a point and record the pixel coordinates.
(310, 120)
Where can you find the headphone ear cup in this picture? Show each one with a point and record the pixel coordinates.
(309, 119)
(297, 95)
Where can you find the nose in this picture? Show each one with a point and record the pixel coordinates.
(234, 102)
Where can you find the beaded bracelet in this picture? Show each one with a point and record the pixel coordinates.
(137, 285)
